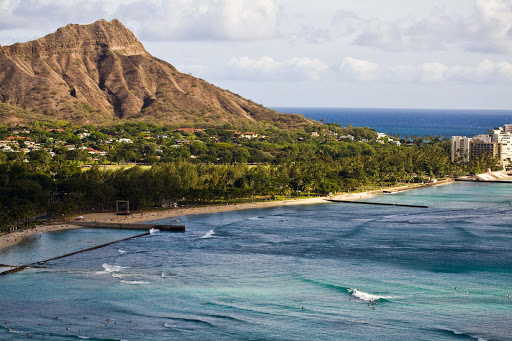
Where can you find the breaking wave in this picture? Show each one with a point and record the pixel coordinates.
(364, 296)
(134, 282)
(459, 335)
(208, 235)
(112, 268)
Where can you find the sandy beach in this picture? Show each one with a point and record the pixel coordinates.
(13, 238)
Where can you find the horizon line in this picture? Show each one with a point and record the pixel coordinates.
(386, 108)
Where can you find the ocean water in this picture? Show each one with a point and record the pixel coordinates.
(411, 122)
(319, 272)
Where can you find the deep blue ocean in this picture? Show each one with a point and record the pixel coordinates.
(411, 122)
(317, 272)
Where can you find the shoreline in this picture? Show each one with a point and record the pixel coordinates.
(10, 239)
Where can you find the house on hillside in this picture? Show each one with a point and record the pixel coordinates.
(84, 135)
(249, 135)
(348, 137)
(189, 130)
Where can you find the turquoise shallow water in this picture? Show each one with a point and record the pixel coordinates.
(286, 273)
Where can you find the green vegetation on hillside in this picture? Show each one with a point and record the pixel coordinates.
(41, 173)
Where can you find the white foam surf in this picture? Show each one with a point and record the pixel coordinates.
(134, 282)
(13, 331)
(117, 275)
(112, 268)
(208, 235)
(121, 251)
(168, 325)
(364, 295)
(153, 231)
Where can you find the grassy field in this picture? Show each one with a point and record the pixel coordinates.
(116, 167)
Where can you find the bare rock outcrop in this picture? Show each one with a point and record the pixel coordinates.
(101, 73)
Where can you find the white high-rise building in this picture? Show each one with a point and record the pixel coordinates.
(497, 142)
(460, 148)
(505, 145)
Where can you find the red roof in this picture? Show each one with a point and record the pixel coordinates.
(18, 137)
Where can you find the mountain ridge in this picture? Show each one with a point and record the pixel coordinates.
(101, 73)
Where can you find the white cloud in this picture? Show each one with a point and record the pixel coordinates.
(152, 19)
(42, 14)
(378, 33)
(359, 69)
(433, 72)
(203, 19)
(488, 29)
(267, 68)
(505, 70)
(485, 72)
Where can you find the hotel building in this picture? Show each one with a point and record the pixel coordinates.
(496, 143)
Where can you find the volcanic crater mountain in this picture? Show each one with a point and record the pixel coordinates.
(100, 73)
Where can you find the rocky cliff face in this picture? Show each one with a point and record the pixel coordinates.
(100, 73)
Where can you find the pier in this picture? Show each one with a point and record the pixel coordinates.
(485, 181)
(375, 203)
(129, 226)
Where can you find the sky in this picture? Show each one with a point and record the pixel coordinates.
(449, 54)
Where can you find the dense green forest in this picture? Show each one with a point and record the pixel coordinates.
(213, 165)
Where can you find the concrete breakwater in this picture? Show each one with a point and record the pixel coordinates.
(129, 226)
(41, 262)
(375, 203)
(93, 224)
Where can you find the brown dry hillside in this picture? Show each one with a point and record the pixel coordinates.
(100, 73)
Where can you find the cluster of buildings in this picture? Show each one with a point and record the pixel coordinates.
(245, 135)
(496, 143)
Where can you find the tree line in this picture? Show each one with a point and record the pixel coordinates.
(41, 187)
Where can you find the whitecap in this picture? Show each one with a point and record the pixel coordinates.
(117, 275)
(13, 331)
(168, 325)
(208, 235)
(153, 231)
(83, 337)
(365, 296)
(121, 251)
(134, 282)
(112, 268)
